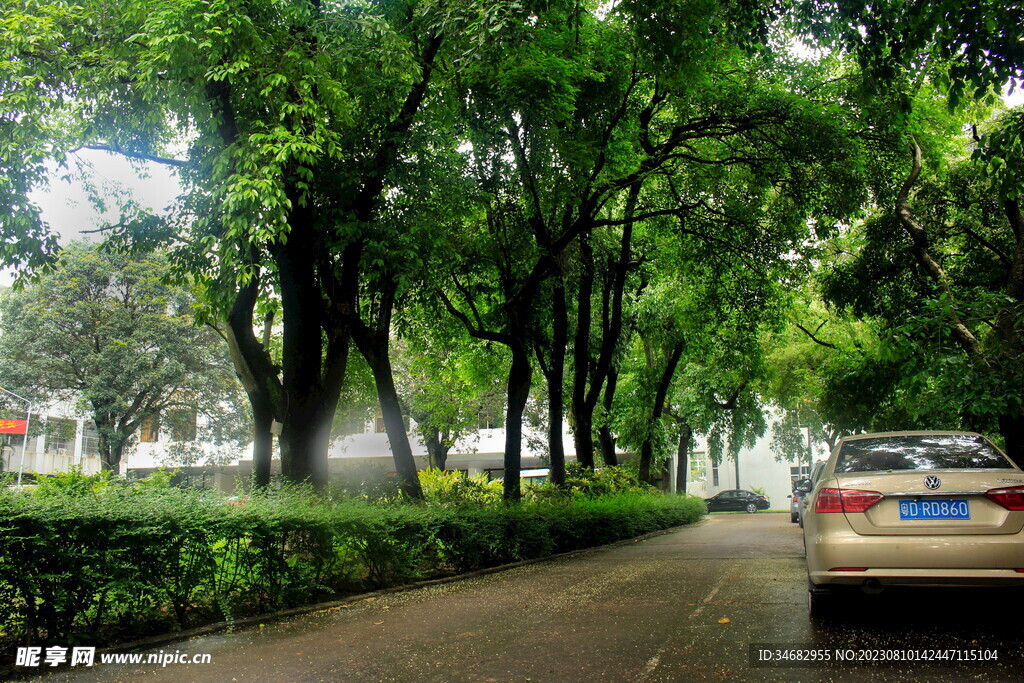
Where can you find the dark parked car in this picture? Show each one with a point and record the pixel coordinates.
(737, 500)
(801, 487)
(806, 486)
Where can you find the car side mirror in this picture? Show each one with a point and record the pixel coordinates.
(804, 488)
(789, 496)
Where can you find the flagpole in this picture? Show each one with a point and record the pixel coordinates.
(24, 440)
(24, 443)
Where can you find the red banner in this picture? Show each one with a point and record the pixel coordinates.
(13, 426)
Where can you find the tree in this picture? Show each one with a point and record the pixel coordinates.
(569, 119)
(103, 330)
(975, 48)
(448, 385)
(941, 268)
(294, 116)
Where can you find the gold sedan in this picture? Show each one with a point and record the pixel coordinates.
(913, 508)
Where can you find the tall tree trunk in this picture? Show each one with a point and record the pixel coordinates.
(664, 383)
(736, 461)
(262, 442)
(258, 375)
(394, 424)
(107, 461)
(665, 476)
(582, 413)
(604, 432)
(589, 377)
(555, 377)
(311, 381)
(520, 376)
(304, 442)
(683, 457)
(374, 344)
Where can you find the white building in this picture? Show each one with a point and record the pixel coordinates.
(758, 469)
(68, 439)
(65, 440)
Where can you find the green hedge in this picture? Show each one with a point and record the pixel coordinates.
(124, 562)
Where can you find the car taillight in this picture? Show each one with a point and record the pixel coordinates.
(828, 500)
(1011, 498)
(845, 500)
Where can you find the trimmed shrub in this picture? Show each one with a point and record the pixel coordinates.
(101, 561)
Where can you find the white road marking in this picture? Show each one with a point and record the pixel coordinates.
(654, 661)
(727, 574)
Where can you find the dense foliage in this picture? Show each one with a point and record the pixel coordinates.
(617, 201)
(98, 556)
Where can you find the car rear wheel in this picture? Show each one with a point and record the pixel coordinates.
(820, 601)
(794, 517)
(751, 507)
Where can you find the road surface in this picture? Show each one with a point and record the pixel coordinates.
(687, 605)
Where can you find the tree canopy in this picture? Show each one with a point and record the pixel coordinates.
(629, 200)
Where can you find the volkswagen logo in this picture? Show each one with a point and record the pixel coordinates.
(932, 482)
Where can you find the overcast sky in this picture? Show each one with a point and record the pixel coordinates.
(66, 206)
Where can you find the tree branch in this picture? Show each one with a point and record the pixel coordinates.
(474, 331)
(963, 336)
(813, 338)
(114, 149)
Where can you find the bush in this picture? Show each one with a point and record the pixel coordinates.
(114, 560)
(581, 482)
(452, 487)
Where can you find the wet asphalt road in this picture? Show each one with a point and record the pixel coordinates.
(646, 611)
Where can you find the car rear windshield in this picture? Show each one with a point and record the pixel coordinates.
(919, 452)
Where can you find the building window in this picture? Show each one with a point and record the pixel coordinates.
(149, 429)
(714, 474)
(60, 436)
(797, 473)
(90, 440)
(183, 425)
(698, 467)
(379, 426)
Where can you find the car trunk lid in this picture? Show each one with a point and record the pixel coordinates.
(927, 493)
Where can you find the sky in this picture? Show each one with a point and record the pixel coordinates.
(66, 206)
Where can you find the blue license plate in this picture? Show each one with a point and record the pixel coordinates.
(938, 508)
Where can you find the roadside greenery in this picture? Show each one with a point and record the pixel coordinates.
(102, 558)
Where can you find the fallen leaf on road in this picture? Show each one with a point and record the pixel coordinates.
(386, 607)
(725, 620)
(377, 623)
